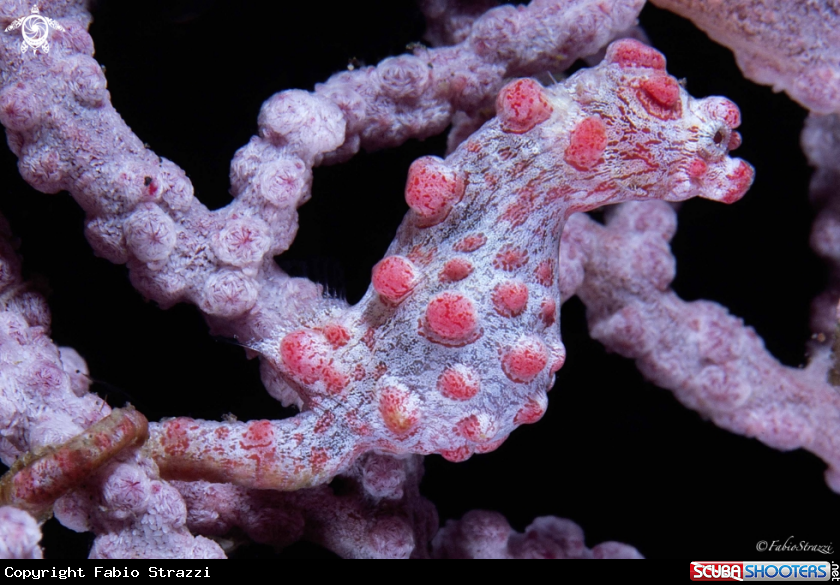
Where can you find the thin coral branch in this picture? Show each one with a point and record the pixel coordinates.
(708, 358)
(789, 45)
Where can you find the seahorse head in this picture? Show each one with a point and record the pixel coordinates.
(654, 137)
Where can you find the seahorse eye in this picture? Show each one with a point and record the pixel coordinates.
(715, 142)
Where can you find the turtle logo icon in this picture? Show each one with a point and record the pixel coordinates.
(36, 31)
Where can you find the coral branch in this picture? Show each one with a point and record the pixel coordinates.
(57, 437)
(821, 143)
(376, 513)
(708, 358)
(45, 400)
(45, 477)
(19, 535)
(487, 535)
(449, 22)
(789, 45)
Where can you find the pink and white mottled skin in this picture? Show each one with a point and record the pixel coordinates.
(791, 45)
(471, 280)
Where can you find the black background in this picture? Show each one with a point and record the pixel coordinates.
(614, 453)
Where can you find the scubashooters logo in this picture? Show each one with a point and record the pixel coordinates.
(36, 31)
(761, 571)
